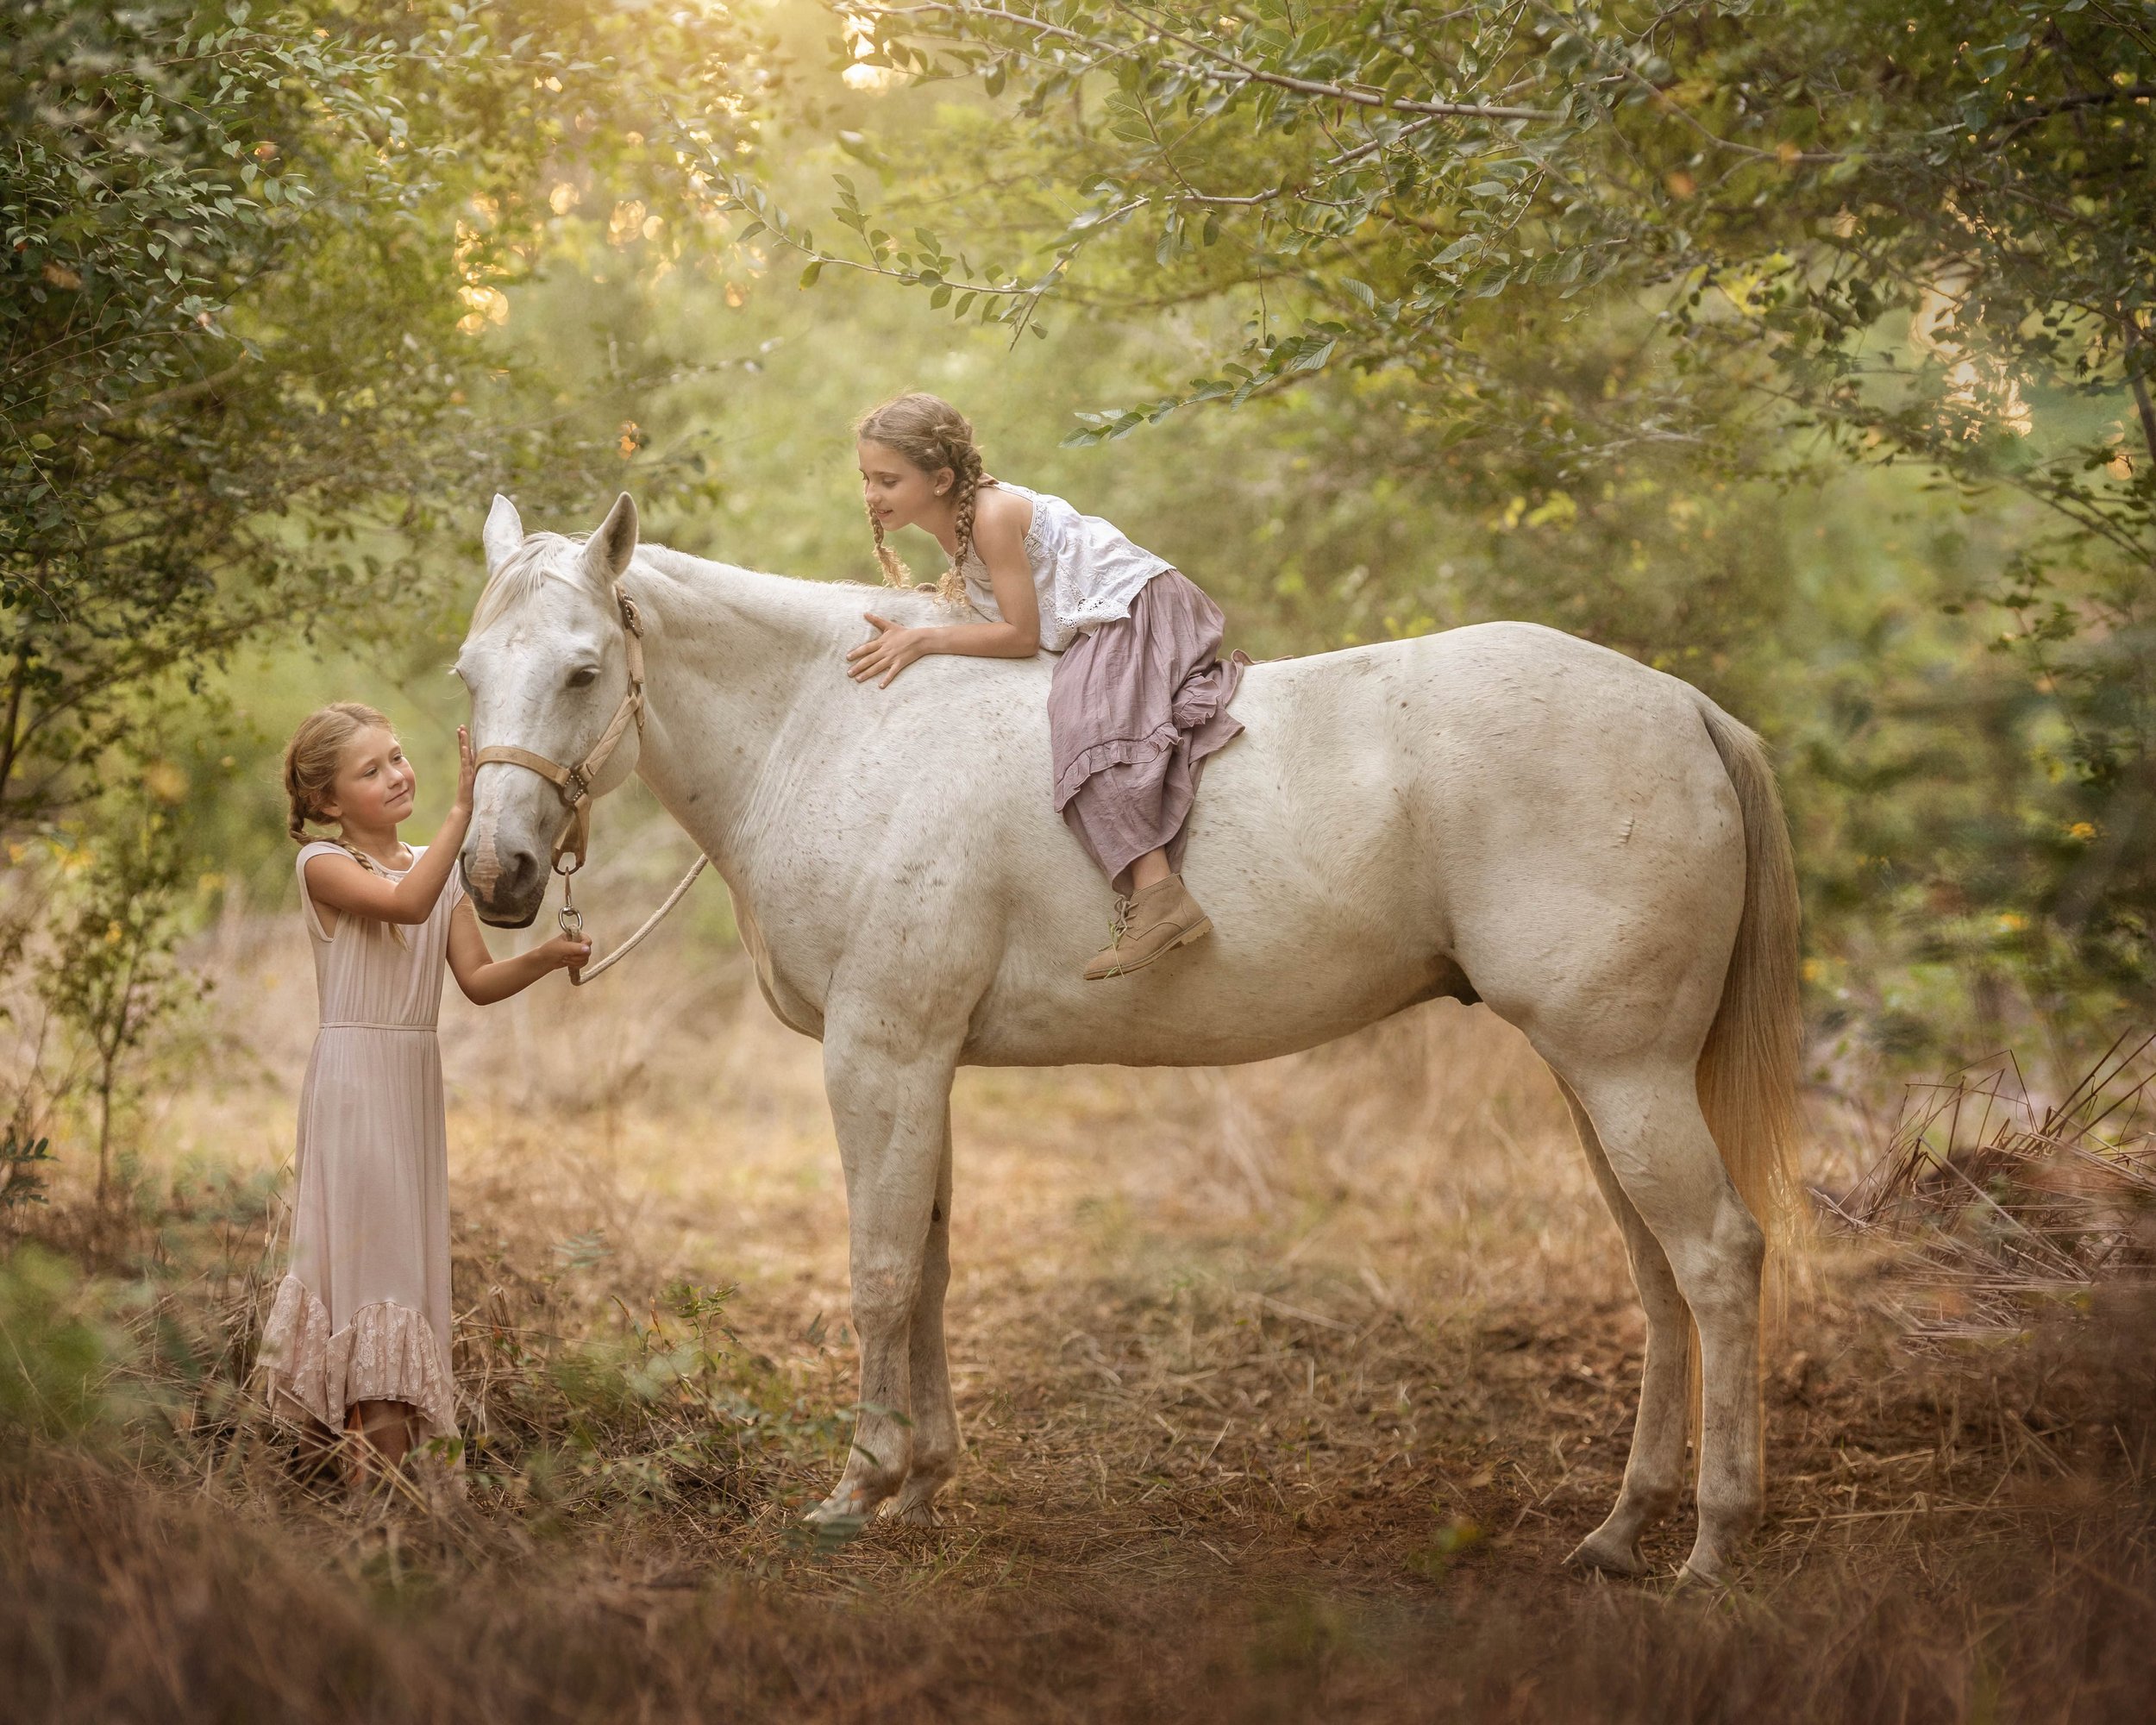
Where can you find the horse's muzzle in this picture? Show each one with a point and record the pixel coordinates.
(506, 888)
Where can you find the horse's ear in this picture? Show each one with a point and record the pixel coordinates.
(606, 554)
(503, 533)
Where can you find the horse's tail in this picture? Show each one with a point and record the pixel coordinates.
(1747, 1072)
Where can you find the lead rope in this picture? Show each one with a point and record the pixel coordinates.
(572, 921)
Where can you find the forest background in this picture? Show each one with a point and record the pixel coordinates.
(1808, 373)
(1801, 350)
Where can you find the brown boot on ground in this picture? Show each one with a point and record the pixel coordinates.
(1149, 924)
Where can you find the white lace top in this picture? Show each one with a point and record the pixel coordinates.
(1084, 570)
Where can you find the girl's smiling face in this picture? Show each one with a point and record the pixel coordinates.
(898, 493)
(373, 787)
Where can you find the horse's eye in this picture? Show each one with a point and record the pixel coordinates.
(584, 677)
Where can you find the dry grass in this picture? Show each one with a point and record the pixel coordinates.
(2018, 1210)
(1286, 1389)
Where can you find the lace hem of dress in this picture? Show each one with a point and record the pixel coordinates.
(388, 1352)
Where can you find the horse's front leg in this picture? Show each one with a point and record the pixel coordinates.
(890, 1098)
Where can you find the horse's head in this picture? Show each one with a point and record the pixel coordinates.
(547, 663)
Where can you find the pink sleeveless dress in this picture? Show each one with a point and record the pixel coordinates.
(363, 1313)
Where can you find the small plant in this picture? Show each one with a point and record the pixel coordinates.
(111, 975)
(60, 1352)
(23, 1163)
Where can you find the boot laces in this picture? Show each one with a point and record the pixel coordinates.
(1121, 925)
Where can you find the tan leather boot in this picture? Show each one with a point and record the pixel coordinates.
(1149, 924)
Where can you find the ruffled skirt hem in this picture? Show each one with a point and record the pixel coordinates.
(388, 1352)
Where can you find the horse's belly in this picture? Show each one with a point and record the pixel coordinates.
(1205, 1036)
(1263, 984)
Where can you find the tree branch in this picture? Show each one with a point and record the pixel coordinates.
(127, 410)
(1236, 71)
(2091, 98)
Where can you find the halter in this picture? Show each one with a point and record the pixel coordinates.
(573, 784)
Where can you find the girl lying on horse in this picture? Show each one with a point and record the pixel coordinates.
(1140, 694)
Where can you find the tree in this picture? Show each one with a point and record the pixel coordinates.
(249, 270)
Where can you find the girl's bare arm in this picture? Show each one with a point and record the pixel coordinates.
(999, 536)
(486, 979)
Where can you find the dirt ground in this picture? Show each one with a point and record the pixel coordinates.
(1285, 1390)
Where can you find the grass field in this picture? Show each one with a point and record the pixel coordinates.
(1286, 1391)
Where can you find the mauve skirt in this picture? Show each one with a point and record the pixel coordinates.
(1134, 710)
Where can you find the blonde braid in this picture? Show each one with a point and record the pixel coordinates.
(895, 573)
(966, 463)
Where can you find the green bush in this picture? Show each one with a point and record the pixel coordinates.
(61, 1355)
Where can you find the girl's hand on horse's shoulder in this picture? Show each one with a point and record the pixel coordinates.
(467, 770)
(563, 952)
(894, 649)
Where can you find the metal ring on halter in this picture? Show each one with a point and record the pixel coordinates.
(570, 919)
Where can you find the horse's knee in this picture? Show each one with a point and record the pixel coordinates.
(883, 1301)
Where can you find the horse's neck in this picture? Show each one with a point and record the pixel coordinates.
(738, 681)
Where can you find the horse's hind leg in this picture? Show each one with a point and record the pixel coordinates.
(935, 1444)
(1655, 1473)
(1647, 1120)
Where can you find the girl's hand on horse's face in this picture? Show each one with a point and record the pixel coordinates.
(892, 649)
(467, 770)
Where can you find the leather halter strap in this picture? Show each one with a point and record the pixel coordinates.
(573, 784)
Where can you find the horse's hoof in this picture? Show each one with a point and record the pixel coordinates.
(921, 1514)
(839, 1510)
(1702, 1573)
(1603, 1555)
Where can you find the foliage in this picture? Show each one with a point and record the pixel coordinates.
(1421, 189)
(60, 1353)
(664, 1410)
(109, 974)
(23, 1161)
(250, 266)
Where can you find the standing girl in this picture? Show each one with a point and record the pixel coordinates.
(359, 1337)
(1140, 695)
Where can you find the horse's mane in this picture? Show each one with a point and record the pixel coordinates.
(538, 558)
(846, 599)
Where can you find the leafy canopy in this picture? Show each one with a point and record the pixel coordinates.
(251, 261)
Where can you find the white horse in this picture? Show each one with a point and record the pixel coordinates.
(1500, 812)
